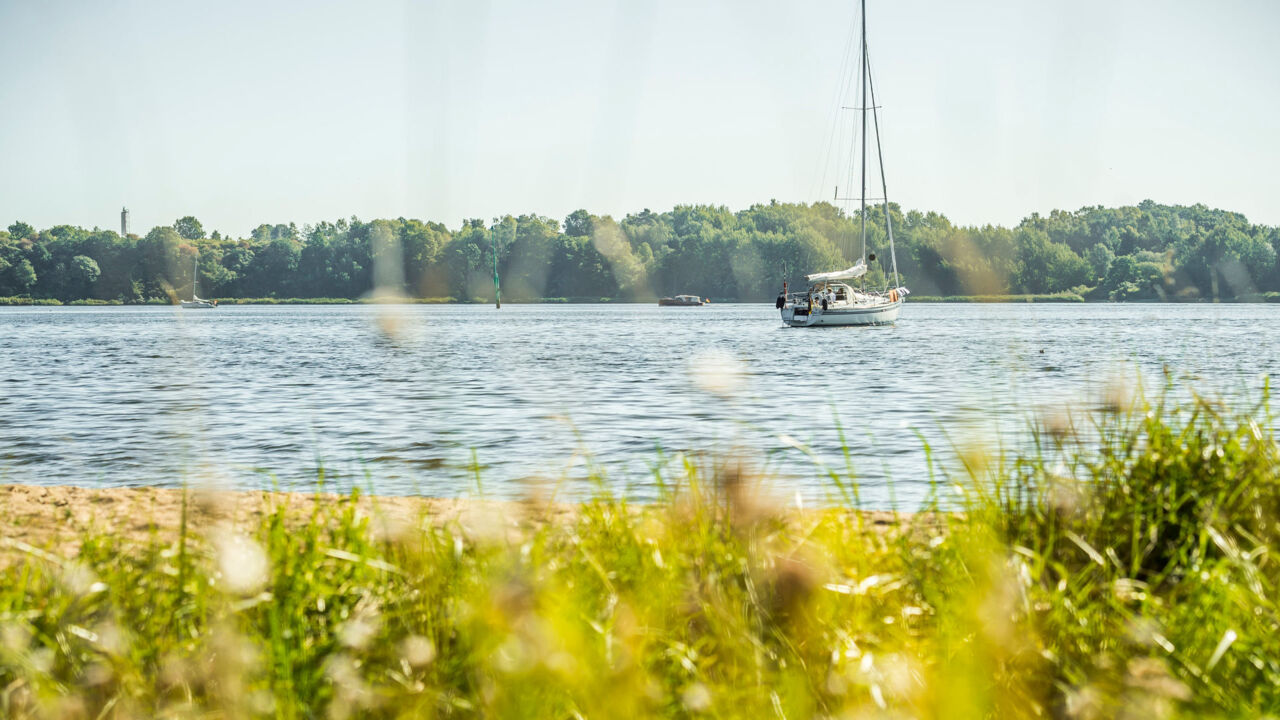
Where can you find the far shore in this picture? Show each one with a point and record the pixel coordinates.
(1262, 298)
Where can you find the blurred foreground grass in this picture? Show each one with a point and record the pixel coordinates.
(1121, 570)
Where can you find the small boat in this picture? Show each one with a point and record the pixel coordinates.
(680, 301)
(830, 298)
(196, 302)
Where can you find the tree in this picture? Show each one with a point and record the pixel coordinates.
(189, 228)
(274, 272)
(16, 273)
(423, 245)
(466, 259)
(23, 276)
(578, 224)
(611, 242)
(162, 264)
(81, 275)
(1099, 258)
(21, 231)
(1047, 267)
(238, 260)
(529, 256)
(387, 258)
(215, 277)
(1143, 251)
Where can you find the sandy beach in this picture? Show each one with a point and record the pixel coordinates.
(55, 518)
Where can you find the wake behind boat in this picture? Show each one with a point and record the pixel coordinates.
(830, 298)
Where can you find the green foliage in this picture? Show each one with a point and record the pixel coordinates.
(27, 300)
(1151, 553)
(21, 275)
(1123, 568)
(1046, 266)
(81, 273)
(165, 262)
(21, 231)
(1145, 252)
(189, 228)
(1099, 257)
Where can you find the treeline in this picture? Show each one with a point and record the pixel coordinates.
(1150, 251)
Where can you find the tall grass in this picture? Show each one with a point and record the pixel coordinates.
(19, 300)
(1121, 570)
(1058, 297)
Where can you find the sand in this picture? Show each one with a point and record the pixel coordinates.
(55, 518)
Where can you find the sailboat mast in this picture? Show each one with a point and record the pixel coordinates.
(195, 276)
(863, 214)
(884, 182)
(497, 289)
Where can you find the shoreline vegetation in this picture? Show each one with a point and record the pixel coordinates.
(1147, 251)
(1270, 297)
(1123, 567)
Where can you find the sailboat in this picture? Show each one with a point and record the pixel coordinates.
(831, 298)
(196, 302)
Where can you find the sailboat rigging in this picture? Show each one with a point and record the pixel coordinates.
(196, 302)
(830, 299)
(497, 287)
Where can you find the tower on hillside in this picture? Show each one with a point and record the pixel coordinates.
(124, 222)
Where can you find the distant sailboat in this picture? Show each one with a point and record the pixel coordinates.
(196, 302)
(497, 287)
(830, 299)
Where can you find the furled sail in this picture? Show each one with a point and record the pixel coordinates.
(852, 273)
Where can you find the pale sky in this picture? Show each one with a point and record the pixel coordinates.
(243, 112)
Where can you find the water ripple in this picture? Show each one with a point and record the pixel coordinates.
(119, 396)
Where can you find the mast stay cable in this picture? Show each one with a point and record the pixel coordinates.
(884, 182)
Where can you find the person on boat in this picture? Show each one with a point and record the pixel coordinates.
(780, 302)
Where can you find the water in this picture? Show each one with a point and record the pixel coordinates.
(411, 399)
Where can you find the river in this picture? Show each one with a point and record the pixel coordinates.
(432, 400)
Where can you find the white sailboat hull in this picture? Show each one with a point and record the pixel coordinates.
(872, 314)
(198, 305)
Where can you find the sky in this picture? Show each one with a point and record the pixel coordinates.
(246, 112)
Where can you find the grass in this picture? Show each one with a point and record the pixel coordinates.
(1268, 297)
(1122, 568)
(400, 300)
(285, 301)
(20, 300)
(1062, 297)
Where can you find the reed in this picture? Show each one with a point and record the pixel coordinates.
(20, 300)
(1059, 297)
(1122, 568)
